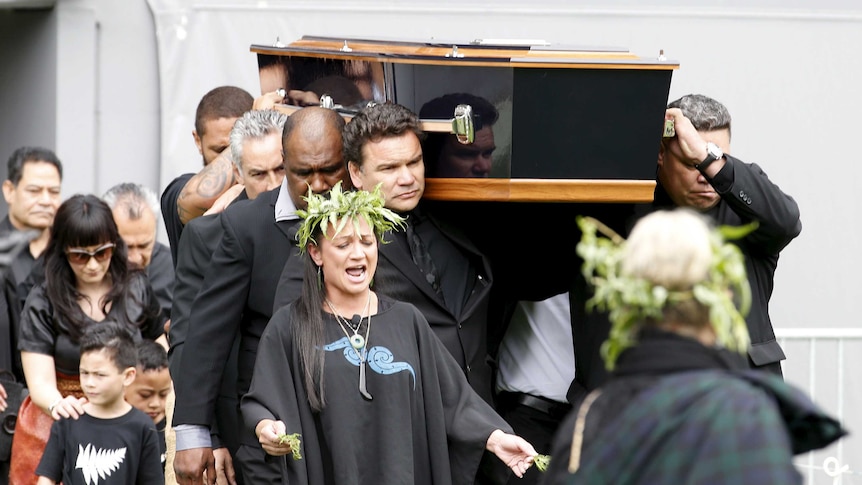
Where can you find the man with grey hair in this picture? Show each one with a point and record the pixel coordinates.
(136, 212)
(256, 149)
(696, 171)
(255, 146)
(237, 292)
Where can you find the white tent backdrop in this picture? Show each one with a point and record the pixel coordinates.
(789, 75)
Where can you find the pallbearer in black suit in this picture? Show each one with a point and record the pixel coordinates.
(430, 265)
(696, 170)
(238, 290)
(258, 166)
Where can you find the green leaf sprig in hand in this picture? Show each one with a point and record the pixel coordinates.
(542, 462)
(294, 440)
(630, 301)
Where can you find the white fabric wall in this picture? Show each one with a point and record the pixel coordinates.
(82, 80)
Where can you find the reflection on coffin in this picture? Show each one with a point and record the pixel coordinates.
(551, 123)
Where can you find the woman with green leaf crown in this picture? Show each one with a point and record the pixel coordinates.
(679, 407)
(351, 387)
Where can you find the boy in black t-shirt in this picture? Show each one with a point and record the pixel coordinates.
(149, 392)
(113, 443)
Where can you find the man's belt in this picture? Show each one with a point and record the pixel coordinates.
(541, 404)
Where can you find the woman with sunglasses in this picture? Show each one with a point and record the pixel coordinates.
(87, 280)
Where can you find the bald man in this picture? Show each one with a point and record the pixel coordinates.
(258, 239)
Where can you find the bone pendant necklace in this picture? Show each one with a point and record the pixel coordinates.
(357, 341)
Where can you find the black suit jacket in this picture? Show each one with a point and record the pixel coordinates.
(160, 272)
(236, 296)
(197, 245)
(748, 195)
(465, 337)
(194, 253)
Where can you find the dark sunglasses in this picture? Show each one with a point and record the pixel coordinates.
(82, 256)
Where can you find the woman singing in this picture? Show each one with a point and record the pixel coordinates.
(376, 397)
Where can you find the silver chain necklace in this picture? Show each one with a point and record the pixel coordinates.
(357, 341)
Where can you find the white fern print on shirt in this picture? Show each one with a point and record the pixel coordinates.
(97, 464)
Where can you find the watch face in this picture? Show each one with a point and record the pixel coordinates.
(714, 151)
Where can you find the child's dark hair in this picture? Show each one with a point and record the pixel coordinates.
(151, 356)
(113, 338)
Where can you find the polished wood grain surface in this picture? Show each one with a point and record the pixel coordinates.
(539, 190)
(430, 54)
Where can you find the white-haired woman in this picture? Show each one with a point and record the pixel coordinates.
(679, 407)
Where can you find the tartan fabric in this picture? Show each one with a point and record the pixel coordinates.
(699, 427)
(676, 412)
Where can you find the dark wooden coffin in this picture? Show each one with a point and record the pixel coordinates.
(569, 124)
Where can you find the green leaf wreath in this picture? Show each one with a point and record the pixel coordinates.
(631, 301)
(339, 207)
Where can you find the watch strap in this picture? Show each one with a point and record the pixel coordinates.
(702, 166)
(710, 157)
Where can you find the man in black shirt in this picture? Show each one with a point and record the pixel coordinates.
(32, 192)
(190, 195)
(257, 149)
(136, 212)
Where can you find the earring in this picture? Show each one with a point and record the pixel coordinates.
(319, 279)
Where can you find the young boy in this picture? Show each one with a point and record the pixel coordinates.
(113, 443)
(149, 392)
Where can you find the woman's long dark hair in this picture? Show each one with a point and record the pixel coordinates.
(84, 220)
(308, 331)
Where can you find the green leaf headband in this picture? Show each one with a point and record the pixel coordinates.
(631, 301)
(339, 207)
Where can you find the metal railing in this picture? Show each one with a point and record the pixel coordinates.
(828, 382)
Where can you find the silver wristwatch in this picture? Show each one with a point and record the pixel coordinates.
(713, 153)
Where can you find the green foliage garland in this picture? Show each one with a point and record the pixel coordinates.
(631, 301)
(341, 206)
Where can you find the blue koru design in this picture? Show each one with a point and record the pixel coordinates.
(380, 359)
(349, 353)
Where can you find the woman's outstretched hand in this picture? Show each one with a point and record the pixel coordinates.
(516, 452)
(268, 434)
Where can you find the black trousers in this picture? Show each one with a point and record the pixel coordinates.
(256, 468)
(534, 425)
